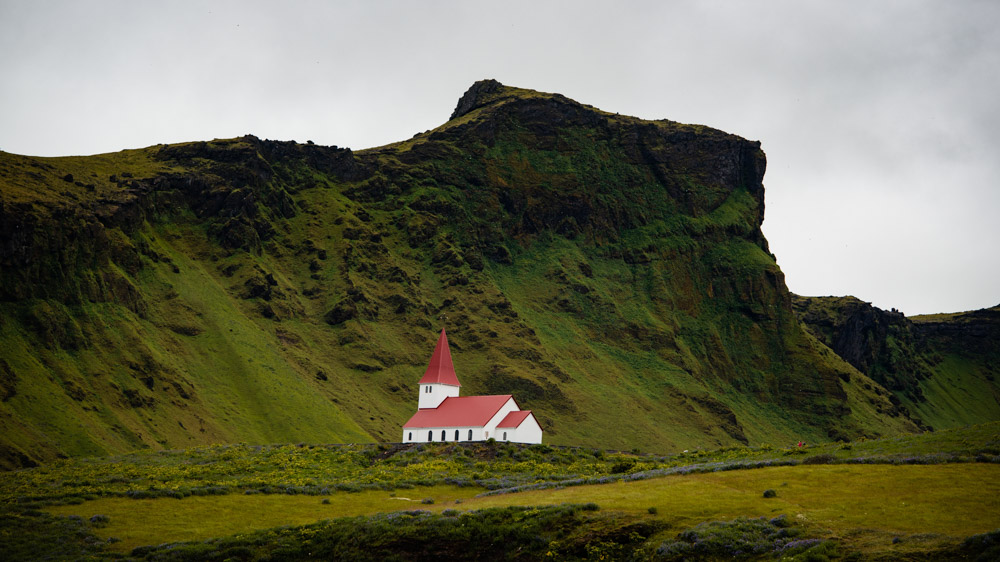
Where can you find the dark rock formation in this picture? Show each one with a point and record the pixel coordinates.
(475, 96)
(882, 344)
(975, 333)
(902, 353)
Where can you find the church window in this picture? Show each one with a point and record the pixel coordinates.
(442, 435)
(430, 435)
(505, 436)
(456, 435)
(410, 438)
(470, 435)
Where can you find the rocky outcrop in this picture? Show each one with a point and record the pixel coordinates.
(47, 247)
(475, 97)
(666, 168)
(975, 333)
(882, 344)
(61, 251)
(903, 353)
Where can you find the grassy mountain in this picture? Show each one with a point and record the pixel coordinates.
(608, 271)
(941, 368)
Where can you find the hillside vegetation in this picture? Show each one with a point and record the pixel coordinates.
(608, 271)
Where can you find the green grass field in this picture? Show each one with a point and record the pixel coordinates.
(916, 496)
(864, 506)
(197, 518)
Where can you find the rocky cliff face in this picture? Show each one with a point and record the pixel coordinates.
(974, 334)
(590, 263)
(879, 343)
(919, 358)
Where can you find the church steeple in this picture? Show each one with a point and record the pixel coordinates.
(440, 370)
(439, 381)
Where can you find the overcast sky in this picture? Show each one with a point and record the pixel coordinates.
(880, 120)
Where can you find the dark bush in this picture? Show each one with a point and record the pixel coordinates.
(770, 494)
(622, 466)
(744, 538)
(825, 458)
(983, 547)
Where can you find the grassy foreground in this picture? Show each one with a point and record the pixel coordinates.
(867, 505)
(913, 497)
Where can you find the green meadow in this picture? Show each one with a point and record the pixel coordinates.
(862, 505)
(928, 496)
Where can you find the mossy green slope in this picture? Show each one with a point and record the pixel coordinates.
(608, 271)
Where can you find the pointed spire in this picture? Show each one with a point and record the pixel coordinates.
(440, 370)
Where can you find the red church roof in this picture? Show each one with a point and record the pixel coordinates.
(464, 411)
(514, 419)
(440, 370)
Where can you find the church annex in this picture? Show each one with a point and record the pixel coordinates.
(443, 415)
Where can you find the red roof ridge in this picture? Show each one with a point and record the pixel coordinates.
(440, 370)
(460, 411)
(514, 418)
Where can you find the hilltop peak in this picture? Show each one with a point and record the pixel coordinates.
(490, 92)
(478, 95)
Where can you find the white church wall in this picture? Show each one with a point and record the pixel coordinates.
(490, 429)
(529, 431)
(433, 435)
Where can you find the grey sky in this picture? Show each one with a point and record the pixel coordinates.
(880, 119)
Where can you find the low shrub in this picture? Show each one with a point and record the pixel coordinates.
(825, 458)
(622, 466)
(741, 538)
(770, 494)
(486, 534)
(982, 547)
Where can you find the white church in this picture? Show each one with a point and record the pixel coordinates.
(443, 415)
